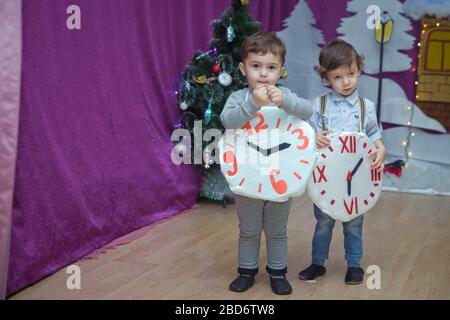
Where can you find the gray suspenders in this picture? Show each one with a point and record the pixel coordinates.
(362, 105)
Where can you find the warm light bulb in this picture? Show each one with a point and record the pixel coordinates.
(410, 154)
(413, 134)
(438, 24)
(425, 25)
(416, 83)
(418, 44)
(404, 143)
(409, 123)
(409, 108)
(406, 165)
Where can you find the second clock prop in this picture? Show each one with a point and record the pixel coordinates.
(343, 185)
(270, 158)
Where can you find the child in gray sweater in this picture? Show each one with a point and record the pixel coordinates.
(262, 60)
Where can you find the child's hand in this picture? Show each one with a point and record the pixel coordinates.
(378, 163)
(321, 139)
(275, 95)
(260, 95)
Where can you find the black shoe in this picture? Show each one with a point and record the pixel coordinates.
(312, 272)
(280, 285)
(354, 275)
(278, 281)
(242, 283)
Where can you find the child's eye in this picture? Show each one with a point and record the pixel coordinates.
(272, 68)
(256, 66)
(337, 77)
(352, 73)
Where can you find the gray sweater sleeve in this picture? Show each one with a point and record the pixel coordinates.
(295, 105)
(237, 111)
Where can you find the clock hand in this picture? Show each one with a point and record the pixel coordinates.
(350, 176)
(349, 183)
(257, 148)
(281, 147)
(357, 167)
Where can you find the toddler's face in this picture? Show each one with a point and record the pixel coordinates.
(344, 80)
(261, 69)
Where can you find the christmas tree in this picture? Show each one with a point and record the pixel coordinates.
(206, 83)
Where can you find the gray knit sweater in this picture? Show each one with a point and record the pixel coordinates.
(241, 108)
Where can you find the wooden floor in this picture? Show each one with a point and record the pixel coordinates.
(194, 256)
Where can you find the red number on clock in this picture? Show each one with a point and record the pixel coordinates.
(353, 204)
(230, 157)
(321, 172)
(303, 138)
(375, 175)
(259, 126)
(279, 186)
(348, 145)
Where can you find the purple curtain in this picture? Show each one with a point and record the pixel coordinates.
(10, 54)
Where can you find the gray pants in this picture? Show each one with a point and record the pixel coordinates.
(257, 215)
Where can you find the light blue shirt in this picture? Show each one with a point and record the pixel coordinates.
(343, 113)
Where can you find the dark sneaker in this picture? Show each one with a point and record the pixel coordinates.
(280, 285)
(242, 283)
(354, 275)
(312, 272)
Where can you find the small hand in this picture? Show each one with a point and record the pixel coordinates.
(321, 139)
(378, 162)
(282, 146)
(275, 95)
(260, 95)
(263, 151)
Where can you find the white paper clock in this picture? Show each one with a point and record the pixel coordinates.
(270, 158)
(343, 185)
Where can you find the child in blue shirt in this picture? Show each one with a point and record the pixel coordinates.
(340, 67)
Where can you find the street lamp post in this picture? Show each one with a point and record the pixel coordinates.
(383, 32)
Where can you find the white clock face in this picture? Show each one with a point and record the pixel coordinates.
(343, 185)
(270, 158)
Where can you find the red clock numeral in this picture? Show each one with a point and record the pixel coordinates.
(375, 176)
(279, 186)
(321, 173)
(348, 145)
(230, 157)
(353, 205)
(259, 126)
(302, 137)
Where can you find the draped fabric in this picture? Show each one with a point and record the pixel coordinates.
(10, 54)
(97, 111)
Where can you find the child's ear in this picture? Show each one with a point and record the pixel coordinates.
(242, 68)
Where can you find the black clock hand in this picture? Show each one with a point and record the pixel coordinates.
(257, 148)
(357, 167)
(349, 183)
(282, 146)
(350, 176)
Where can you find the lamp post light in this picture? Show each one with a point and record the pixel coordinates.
(383, 33)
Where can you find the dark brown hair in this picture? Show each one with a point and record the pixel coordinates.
(263, 42)
(336, 54)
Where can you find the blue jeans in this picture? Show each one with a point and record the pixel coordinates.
(322, 239)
